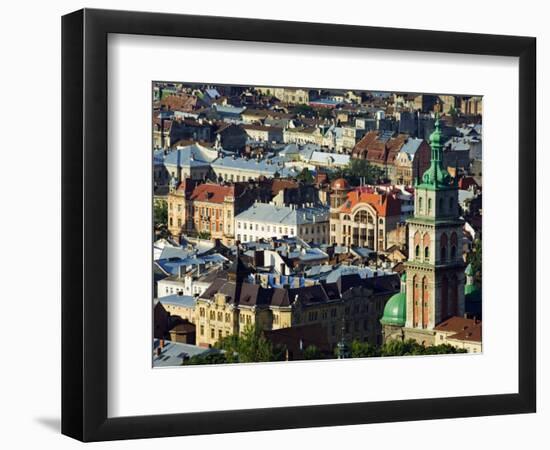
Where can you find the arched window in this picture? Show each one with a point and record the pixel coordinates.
(451, 204)
(420, 203)
(426, 245)
(441, 205)
(454, 244)
(417, 251)
(429, 205)
(443, 247)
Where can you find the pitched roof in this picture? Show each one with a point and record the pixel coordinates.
(462, 328)
(386, 204)
(212, 193)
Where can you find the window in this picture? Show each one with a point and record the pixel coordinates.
(429, 205)
(202, 330)
(453, 252)
(212, 333)
(220, 335)
(426, 252)
(171, 222)
(417, 251)
(420, 203)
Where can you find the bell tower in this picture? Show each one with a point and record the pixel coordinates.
(435, 268)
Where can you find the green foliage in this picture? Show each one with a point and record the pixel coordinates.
(305, 175)
(312, 352)
(251, 346)
(204, 235)
(303, 110)
(324, 113)
(360, 168)
(474, 258)
(210, 358)
(160, 213)
(363, 350)
(411, 347)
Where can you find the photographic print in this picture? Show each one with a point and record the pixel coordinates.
(303, 223)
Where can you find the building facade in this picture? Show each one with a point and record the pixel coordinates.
(362, 217)
(433, 288)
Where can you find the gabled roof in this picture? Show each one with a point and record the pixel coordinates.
(386, 204)
(212, 193)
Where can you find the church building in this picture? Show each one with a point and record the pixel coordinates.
(433, 284)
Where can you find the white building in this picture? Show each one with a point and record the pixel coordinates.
(265, 221)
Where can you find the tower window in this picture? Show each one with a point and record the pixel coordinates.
(443, 255)
(453, 252)
(426, 252)
(420, 203)
(417, 251)
(429, 205)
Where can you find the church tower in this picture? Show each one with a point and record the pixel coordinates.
(435, 269)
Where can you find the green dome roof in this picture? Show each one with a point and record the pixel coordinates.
(436, 176)
(469, 270)
(395, 311)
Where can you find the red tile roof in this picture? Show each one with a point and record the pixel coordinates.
(212, 193)
(386, 204)
(463, 329)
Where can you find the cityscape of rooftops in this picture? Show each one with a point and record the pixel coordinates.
(295, 224)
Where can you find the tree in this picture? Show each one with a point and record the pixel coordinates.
(210, 358)
(474, 258)
(411, 347)
(303, 110)
(160, 213)
(312, 352)
(363, 350)
(305, 176)
(251, 346)
(204, 235)
(361, 168)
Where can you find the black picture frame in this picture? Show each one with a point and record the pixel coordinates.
(84, 224)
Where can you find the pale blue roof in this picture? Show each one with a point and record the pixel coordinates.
(411, 146)
(267, 166)
(212, 93)
(191, 155)
(284, 215)
(228, 109)
(329, 158)
(178, 300)
(174, 353)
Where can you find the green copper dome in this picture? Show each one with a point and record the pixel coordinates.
(395, 311)
(436, 176)
(469, 270)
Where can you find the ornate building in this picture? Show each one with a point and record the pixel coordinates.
(433, 287)
(363, 216)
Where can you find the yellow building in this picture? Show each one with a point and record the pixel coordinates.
(352, 306)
